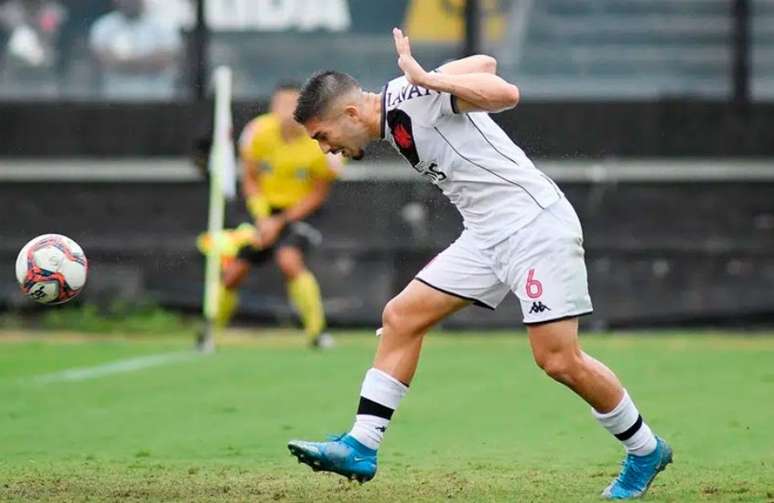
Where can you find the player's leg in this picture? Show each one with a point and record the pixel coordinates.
(557, 351)
(303, 290)
(459, 276)
(304, 293)
(234, 273)
(237, 254)
(550, 280)
(405, 321)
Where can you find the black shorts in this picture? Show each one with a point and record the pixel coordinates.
(301, 235)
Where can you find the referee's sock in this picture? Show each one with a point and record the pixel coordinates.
(228, 301)
(304, 293)
(379, 397)
(627, 425)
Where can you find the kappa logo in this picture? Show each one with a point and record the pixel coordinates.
(538, 307)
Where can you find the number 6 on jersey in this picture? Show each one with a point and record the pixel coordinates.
(534, 287)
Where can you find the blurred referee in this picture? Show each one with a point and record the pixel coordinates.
(286, 181)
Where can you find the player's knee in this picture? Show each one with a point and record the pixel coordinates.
(290, 261)
(397, 318)
(561, 366)
(234, 273)
(391, 316)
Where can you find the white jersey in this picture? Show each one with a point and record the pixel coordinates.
(484, 174)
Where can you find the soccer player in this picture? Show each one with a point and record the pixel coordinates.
(521, 234)
(286, 180)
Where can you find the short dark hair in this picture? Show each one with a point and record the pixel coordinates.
(287, 85)
(318, 92)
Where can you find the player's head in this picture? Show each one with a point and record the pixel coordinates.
(283, 102)
(332, 109)
(130, 8)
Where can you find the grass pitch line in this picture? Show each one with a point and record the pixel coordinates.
(117, 367)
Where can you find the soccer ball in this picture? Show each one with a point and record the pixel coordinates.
(51, 269)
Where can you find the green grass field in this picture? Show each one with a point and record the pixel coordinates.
(481, 423)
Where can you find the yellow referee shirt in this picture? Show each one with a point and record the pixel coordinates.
(288, 169)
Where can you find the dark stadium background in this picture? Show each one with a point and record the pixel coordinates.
(656, 118)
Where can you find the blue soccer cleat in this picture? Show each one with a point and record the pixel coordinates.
(638, 472)
(341, 454)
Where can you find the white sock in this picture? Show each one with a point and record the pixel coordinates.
(627, 425)
(379, 397)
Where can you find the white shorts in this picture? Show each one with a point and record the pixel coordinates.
(542, 263)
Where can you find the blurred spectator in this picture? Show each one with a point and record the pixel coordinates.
(137, 52)
(179, 13)
(30, 31)
(75, 68)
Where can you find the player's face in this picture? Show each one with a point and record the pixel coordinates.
(283, 103)
(341, 132)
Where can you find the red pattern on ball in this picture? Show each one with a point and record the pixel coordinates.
(37, 274)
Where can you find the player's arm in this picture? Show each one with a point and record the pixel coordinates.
(250, 175)
(268, 226)
(271, 227)
(251, 188)
(476, 91)
(325, 171)
(480, 63)
(479, 91)
(310, 203)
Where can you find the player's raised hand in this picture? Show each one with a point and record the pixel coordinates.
(413, 71)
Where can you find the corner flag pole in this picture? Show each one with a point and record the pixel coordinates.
(222, 167)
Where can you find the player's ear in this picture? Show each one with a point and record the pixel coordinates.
(352, 112)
